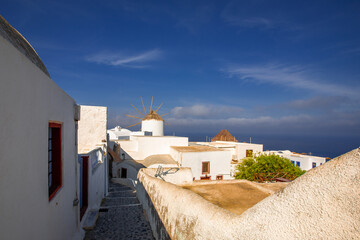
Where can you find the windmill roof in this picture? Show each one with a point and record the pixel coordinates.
(153, 116)
(224, 135)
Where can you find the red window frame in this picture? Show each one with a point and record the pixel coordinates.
(208, 167)
(54, 158)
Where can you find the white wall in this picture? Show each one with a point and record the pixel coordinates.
(91, 127)
(305, 160)
(140, 147)
(96, 173)
(242, 147)
(29, 99)
(238, 150)
(219, 163)
(131, 170)
(92, 143)
(154, 126)
(321, 204)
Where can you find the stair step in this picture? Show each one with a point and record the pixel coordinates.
(111, 189)
(122, 194)
(119, 201)
(90, 220)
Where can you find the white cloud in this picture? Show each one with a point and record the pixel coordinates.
(291, 76)
(131, 61)
(238, 122)
(251, 22)
(200, 110)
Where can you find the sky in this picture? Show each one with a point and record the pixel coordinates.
(284, 73)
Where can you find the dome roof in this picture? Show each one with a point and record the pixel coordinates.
(164, 159)
(19, 42)
(153, 116)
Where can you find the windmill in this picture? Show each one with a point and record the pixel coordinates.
(150, 122)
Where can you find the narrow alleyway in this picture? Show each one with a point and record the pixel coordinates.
(121, 217)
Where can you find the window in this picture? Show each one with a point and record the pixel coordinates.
(249, 153)
(219, 177)
(314, 164)
(298, 164)
(205, 167)
(293, 163)
(54, 159)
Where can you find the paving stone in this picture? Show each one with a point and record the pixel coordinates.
(121, 217)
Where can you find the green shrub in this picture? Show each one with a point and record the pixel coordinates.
(265, 164)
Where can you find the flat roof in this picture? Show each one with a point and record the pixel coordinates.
(141, 136)
(196, 149)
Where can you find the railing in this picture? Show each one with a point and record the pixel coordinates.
(271, 177)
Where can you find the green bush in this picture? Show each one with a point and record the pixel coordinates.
(265, 164)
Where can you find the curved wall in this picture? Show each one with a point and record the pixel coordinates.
(154, 126)
(321, 204)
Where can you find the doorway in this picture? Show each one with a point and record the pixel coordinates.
(123, 172)
(84, 198)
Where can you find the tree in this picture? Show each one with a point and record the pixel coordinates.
(264, 163)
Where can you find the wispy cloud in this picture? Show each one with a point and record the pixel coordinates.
(205, 111)
(251, 22)
(291, 76)
(131, 61)
(318, 103)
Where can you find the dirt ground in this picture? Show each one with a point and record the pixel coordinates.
(235, 197)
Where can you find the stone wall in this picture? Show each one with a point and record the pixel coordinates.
(321, 204)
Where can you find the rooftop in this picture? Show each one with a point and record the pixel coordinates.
(224, 135)
(158, 159)
(196, 149)
(153, 116)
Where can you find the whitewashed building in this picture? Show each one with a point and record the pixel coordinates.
(38, 153)
(305, 162)
(92, 161)
(206, 163)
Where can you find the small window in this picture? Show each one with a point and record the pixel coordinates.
(249, 153)
(205, 167)
(298, 164)
(314, 164)
(54, 159)
(293, 163)
(219, 177)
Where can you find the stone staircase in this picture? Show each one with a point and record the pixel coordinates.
(120, 216)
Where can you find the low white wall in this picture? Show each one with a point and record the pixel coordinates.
(174, 175)
(321, 204)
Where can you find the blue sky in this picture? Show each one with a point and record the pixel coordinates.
(286, 73)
